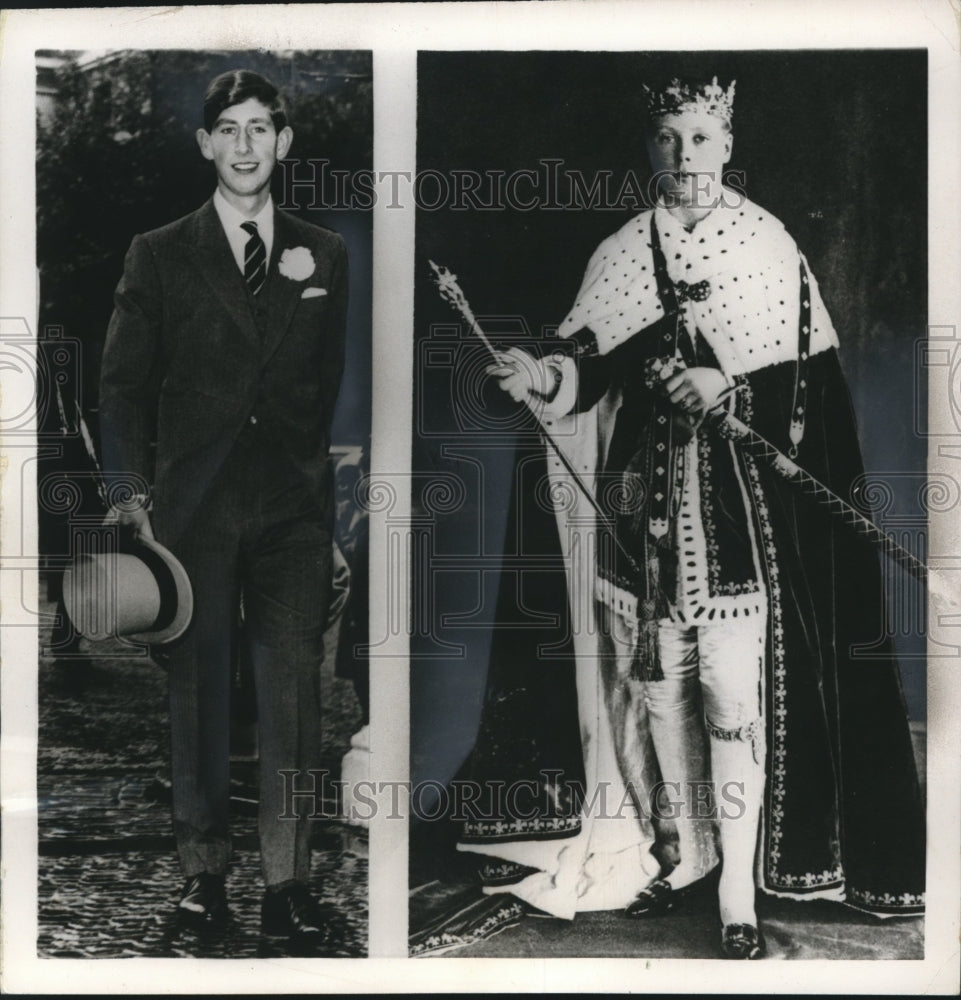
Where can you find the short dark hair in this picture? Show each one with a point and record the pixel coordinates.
(237, 86)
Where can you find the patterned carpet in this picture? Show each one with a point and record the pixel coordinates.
(450, 916)
(108, 876)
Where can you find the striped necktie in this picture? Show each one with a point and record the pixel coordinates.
(255, 258)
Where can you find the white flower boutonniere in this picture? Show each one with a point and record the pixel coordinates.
(297, 264)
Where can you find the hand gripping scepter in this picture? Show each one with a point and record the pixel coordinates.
(451, 292)
(729, 426)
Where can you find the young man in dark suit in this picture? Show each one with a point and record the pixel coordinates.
(226, 348)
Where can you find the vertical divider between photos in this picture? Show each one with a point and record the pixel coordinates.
(943, 350)
(395, 82)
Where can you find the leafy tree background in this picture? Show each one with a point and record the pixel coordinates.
(118, 156)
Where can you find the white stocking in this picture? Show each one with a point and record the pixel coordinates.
(737, 763)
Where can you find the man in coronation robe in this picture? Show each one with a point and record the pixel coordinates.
(716, 611)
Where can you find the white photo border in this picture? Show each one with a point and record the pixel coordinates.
(395, 32)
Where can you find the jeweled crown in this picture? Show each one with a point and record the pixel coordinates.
(679, 96)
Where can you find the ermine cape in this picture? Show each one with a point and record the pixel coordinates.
(842, 816)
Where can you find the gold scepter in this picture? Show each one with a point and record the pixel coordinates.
(451, 292)
(730, 427)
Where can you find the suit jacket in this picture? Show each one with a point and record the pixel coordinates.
(190, 357)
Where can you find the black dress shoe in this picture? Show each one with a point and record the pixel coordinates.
(743, 941)
(204, 900)
(653, 900)
(291, 912)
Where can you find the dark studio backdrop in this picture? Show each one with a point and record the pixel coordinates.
(832, 143)
(117, 156)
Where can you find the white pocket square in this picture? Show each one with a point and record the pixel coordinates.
(312, 293)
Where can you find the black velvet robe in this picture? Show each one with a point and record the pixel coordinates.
(842, 813)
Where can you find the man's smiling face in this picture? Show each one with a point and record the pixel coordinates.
(244, 147)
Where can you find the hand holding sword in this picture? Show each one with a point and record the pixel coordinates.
(698, 396)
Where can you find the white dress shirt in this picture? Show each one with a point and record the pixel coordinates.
(231, 220)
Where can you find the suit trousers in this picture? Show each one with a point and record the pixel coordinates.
(259, 538)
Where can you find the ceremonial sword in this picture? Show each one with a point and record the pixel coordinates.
(728, 426)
